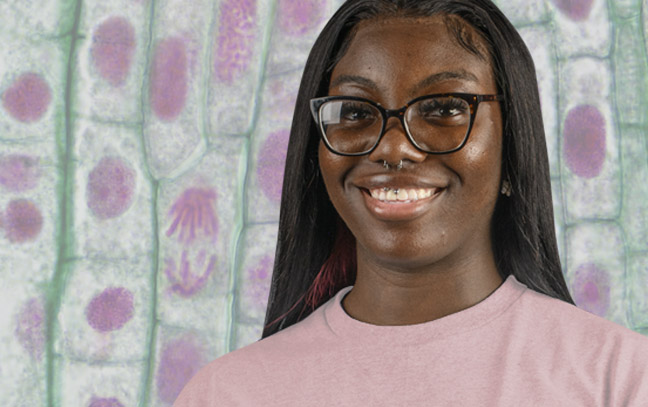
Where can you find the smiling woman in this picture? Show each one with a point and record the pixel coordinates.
(407, 250)
(416, 261)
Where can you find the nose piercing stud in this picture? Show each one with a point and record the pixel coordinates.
(386, 165)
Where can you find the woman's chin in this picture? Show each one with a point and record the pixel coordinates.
(400, 260)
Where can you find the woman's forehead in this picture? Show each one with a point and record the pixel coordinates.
(459, 30)
(395, 48)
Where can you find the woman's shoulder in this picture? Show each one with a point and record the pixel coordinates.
(264, 361)
(577, 325)
(599, 355)
(282, 345)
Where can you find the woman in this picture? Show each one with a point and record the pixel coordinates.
(417, 261)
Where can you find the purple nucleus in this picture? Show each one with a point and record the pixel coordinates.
(28, 98)
(271, 163)
(22, 221)
(19, 172)
(180, 360)
(591, 288)
(113, 47)
(584, 141)
(194, 214)
(259, 281)
(297, 17)
(235, 43)
(110, 310)
(169, 78)
(576, 10)
(104, 402)
(111, 186)
(30, 327)
(184, 281)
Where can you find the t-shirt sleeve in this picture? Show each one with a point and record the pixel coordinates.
(198, 392)
(231, 380)
(629, 377)
(204, 390)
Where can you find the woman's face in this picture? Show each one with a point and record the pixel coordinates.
(391, 62)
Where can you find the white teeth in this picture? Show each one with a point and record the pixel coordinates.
(400, 194)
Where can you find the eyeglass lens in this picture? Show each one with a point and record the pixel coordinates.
(436, 124)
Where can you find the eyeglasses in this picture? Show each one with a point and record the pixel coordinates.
(435, 124)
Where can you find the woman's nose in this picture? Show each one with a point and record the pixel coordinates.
(395, 145)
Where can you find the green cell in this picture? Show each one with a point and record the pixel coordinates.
(626, 8)
(629, 61)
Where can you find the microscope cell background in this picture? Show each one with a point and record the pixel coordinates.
(142, 145)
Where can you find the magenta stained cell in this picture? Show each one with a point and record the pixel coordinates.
(22, 221)
(169, 78)
(113, 47)
(258, 278)
(110, 310)
(271, 163)
(235, 43)
(184, 282)
(297, 17)
(111, 185)
(591, 288)
(180, 360)
(28, 98)
(576, 10)
(584, 141)
(30, 327)
(19, 172)
(193, 212)
(104, 402)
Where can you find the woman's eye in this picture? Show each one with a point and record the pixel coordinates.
(442, 109)
(354, 113)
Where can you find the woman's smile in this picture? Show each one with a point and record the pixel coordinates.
(397, 197)
(389, 206)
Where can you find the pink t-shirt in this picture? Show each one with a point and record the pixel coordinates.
(515, 348)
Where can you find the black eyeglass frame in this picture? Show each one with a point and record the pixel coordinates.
(472, 100)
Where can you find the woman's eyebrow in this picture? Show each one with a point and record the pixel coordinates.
(427, 82)
(444, 76)
(354, 79)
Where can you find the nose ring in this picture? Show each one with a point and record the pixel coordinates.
(398, 166)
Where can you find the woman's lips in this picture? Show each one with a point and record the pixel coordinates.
(391, 209)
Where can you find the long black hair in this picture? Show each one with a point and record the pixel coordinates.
(315, 255)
